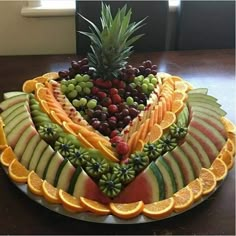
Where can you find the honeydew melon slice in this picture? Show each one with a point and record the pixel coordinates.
(16, 132)
(8, 111)
(15, 113)
(198, 90)
(15, 122)
(38, 151)
(12, 94)
(199, 96)
(23, 141)
(13, 100)
(208, 106)
(28, 152)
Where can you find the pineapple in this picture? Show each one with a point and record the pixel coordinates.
(112, 45)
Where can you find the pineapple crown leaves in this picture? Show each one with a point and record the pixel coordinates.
(112, 45)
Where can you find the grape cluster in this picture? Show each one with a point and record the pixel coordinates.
(77, 67)
(109, 105)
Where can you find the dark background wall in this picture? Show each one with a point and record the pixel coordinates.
(194, 25)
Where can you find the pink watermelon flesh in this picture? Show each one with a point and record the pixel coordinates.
(139, 189)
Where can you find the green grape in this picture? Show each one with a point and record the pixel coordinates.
(154, 81)
(87, 90)
(83, 101)
(89, 84)
(104, 109)
(79, 78)
(82, 84)
(146, 80)
(63, 88)
(132, 85)
(141, 107)
(137, 80)
(92, 103)
(73, 81)
(145, 88)
(135, 104)
(72, 94)
(150, 87)
(76, 103)
(64, 82)
(78, 88)
(129, 101)
(141, 78)
(150, 76)
(71, 87)
(86, 78)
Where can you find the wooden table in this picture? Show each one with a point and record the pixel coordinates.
(214, 69)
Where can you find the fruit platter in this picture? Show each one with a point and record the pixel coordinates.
(107, 142)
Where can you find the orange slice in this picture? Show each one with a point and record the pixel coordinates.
(179, 95)
(94, 206)
(232, 137)
(230, 146)
(183, 199)
(84, 141)
(127, 210)
(176, 78)
(18, 172)
(29, 86)
(55, 118)
(160, 209)
(44, 106)
(155, 133)
(51, 75)
(181, 85)
(160, 112)
(168, 99)
(35, 183)
(208, 180)
(39, 85)
(70, 202)
(131, 141)
(3, 139)
(177, 106)
(40, 79)
(7, 156)
(197, 188)
(227, 158)
(144, 130)
(139, 146)
(50, 193)
(219, 168)
(68, 128)
(107, 152)
(229, 126)
(168, 119)
(41, 93)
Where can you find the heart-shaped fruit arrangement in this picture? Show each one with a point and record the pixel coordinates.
(107, 137)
